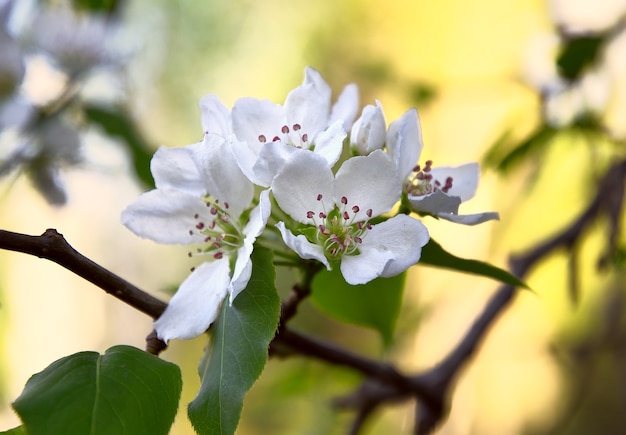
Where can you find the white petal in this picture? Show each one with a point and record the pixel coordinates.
(403, 237)
(297, 186)
(175, 168)
(165, 216)
(362, 268)
(329, 143)
(255, 226)
(252, 117)
(369, 182)
(404, 142)
(196, 303)
(470, 219)
(346, 107)
(435, 203)
(272, 158)
(309, 104)
(215, 117)
(464, 179)
(222, 177)
(370, 130)
(313, 77)
(242, 273)
(258, 217)
(246, 155)
(301, 245)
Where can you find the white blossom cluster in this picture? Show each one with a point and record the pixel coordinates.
(50, 47)
(263, 167)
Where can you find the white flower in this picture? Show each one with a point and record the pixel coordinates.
(337, 211)
(41, 153)
(436, 191)
(307, 121)
(201, 198)
(369, 131)
(440, 191)
(76, 43)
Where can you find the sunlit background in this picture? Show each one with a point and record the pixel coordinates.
(463, 65)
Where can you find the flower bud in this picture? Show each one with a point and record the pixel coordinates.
(369, 131)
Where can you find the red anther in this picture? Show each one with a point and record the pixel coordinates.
(296, 127)
(207, 238)
(285, 129)
(368, 226)
(218, 255)
(200, 225)
(216, 245)
(344, 200)
(213, 211)
(355, 209)
(359, 225)
(262, 138)
(417, 168)
(369, 212)
(305, 137)
(310, 214)
(346, 216)
(319, 196)
(226, 205)
(358, 239)
(276, 139)
(322, 215)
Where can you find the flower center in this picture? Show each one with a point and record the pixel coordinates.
(290, 136)
(421, 181)
(337, 232)
(222, 234)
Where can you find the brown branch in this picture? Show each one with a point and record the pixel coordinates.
(52, 246)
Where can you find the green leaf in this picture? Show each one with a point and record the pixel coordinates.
(104, 6)
(117, 122)
(374, 305)
(434, 255)
(504, 160)
(577, 54)
(240, 340)
(124, 391)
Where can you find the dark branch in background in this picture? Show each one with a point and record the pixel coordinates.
(383, 382)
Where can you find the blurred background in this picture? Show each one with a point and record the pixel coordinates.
(483, 77)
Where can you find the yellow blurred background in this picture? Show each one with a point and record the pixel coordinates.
(471, 55)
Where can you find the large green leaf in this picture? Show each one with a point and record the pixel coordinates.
(374, 305)
(124, 391)
(237, 356)
(117, 122)
(434, 255)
